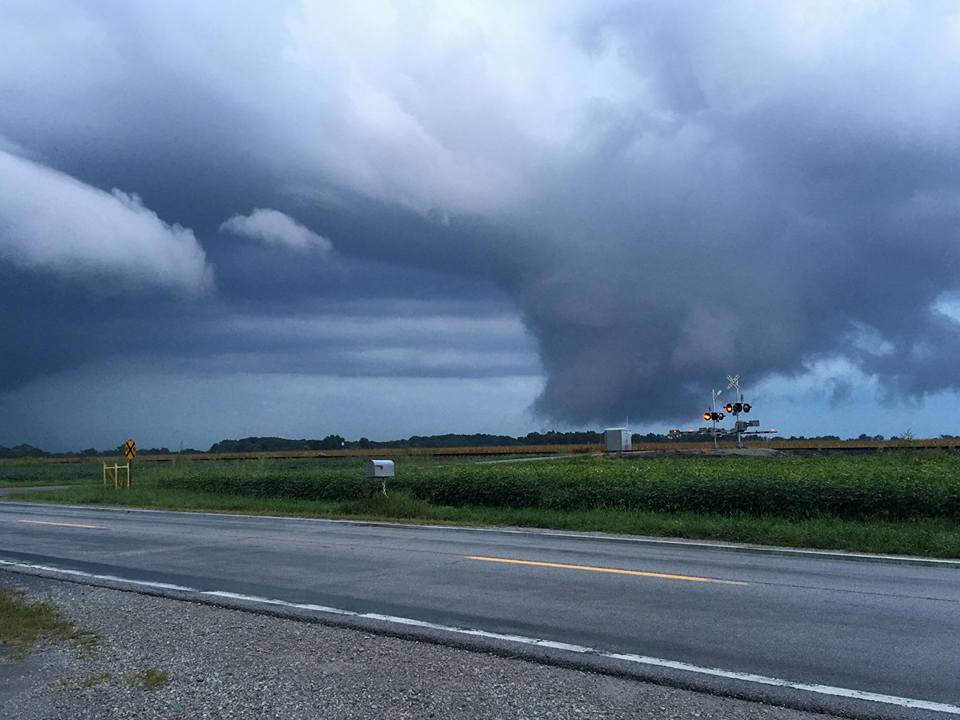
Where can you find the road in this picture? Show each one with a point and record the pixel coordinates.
(865, 639)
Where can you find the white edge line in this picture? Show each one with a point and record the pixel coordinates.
(678, 542)
(523, 640)
(94, 576)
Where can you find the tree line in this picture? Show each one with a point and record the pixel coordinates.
(447, 440)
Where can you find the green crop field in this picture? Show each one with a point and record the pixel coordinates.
(891, 501)
(32, 472)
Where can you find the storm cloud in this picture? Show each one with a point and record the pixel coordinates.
(647, 195)
(52, 222)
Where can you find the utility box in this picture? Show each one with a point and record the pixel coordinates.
(380, 468)
(618, 440)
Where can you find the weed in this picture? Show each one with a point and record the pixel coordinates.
(392, 505)
(85, 682)
(23, 625)
(149, 679)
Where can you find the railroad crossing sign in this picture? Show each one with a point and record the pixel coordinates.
(129, 449)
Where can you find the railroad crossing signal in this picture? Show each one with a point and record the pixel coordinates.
(129, 449)
(738, 408)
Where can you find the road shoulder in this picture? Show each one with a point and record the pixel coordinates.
(232, 664)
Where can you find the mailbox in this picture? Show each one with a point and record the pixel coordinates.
(380, 468)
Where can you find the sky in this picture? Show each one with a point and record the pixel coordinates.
(378, 219)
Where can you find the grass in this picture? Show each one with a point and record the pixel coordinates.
(927, 537)
(893, 502)
(87, 681)
(149, 679)
(27, 472)
(31, 472)
(23, 625)
(895, 486)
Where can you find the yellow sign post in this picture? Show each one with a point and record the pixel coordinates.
(112, 472)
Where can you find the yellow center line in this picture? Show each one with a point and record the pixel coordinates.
(615, 571)
(58, 524)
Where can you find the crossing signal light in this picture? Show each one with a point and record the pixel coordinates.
(728, 407)
(746, 407)
(738, 407)
(707, 415)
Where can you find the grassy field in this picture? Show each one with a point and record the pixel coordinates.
(899, 502)
(32, 472)
(14, 473)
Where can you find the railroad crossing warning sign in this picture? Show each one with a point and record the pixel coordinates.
(129, 449)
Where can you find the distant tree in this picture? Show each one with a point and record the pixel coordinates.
(332, 442)
(22, 451)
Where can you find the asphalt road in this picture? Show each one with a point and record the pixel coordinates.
(813, 632)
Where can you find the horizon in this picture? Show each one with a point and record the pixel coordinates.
(402, 442)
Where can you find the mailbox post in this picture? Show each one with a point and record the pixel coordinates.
(380, 470)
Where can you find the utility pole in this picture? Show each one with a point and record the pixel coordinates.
(715, 395)
(734, 382)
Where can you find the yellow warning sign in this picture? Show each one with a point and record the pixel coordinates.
(129, 449)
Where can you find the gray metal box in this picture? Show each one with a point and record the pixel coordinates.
(617, 440)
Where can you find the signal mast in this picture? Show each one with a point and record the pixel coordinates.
(713, 416)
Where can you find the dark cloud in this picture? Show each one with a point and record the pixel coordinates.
(662, 192)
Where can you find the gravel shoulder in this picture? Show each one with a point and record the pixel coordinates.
(217, 663)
